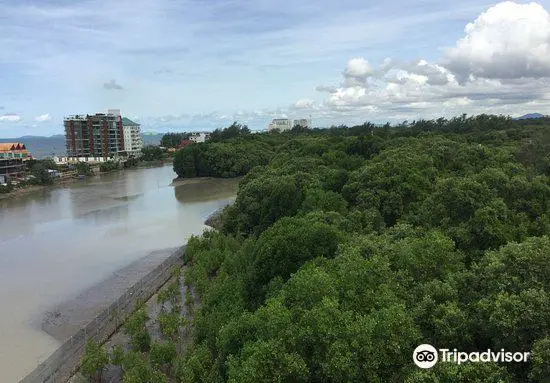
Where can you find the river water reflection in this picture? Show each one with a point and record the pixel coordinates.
(55, 243)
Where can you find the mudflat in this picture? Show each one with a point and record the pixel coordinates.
(64, 320)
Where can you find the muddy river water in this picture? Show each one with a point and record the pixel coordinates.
(56, 243)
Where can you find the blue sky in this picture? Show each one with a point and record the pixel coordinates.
(186, 65)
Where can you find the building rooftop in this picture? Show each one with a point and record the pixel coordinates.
(127, 122)
(75, 117)
(13, 146)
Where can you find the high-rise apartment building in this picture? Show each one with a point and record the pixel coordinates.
(101, 135)
(132, 137)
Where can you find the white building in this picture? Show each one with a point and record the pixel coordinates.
(199, 136)
(74, 160)
(280, 124)
(132, 137)
(303, 122)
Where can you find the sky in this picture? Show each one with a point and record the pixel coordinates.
(175, 65)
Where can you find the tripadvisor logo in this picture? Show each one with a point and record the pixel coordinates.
(426, 356)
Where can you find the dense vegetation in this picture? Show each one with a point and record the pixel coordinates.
(173, 140)
(109, 166)
(235, 130)
(348, 247)
(37, 172)
(151, 153)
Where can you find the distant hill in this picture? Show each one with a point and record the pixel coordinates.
(152, 139)
(42, 147)
(530, 116)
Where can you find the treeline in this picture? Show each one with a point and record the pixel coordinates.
(347, 251)
(38, 174)
(221, 159)
(348, 247)
(150, 155)
(38, 171)
(173, 140)
(235, 130)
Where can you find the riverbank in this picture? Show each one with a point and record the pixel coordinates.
(153, 308)
(64, 362)
(190, 181)
(58, 243)
(66, 319)
(195, 190)
(20, 192)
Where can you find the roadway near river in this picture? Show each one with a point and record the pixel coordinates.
(57, 243)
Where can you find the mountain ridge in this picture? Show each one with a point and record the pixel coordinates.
(531, 116)
(49, 146)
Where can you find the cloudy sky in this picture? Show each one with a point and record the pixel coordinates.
(200, 64)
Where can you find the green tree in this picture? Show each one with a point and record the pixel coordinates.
(94, 362)
(109, 166)
(117, 355)
(464, 373)
(173, 140)
(284, 247)
(184, 162)
(162, 354)
(41, 175)
(152, 153)
(197, 367)
(540, 365)
(83, 168)
(170, 324)
(233, 131)
(136, 329)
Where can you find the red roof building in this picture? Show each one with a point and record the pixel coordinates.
(12, 157)
(185, 143)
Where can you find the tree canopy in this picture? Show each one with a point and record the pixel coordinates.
(348, 247)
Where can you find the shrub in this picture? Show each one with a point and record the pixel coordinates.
(94, 361)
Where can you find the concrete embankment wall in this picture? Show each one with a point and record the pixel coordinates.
(64, 362)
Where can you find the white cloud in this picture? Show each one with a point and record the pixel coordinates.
(10, 118)
(43, 118)
(358, 67)
(357, 71)
(501, 65)
(507, 41)
(326, 88)
(205, 56)
(304, 103)
(349, 96)
(434, 74)
(112, 85)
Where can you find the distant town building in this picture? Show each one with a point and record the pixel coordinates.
(12, 160)
(280, 124)
(185, 143)
(133, 143)
(101, 135)
(74, 160)
(199, 136)
(303, 122)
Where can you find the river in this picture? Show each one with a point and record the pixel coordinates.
(58, 242)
